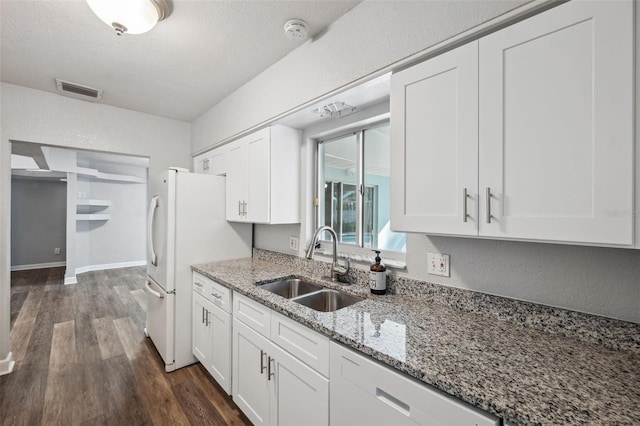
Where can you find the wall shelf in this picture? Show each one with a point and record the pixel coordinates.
(101, 216)
(88, 205)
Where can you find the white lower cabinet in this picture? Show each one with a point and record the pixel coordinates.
(364, 392)
(271, 386)
(300, 396)
(250, 381)
(211, 329)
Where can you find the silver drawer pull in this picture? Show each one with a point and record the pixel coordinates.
(216, 295)
(198, 284)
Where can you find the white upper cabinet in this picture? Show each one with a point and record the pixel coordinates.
(434, 155)
(263, 177)
(211, 163)
(556, 125)
(543, 144)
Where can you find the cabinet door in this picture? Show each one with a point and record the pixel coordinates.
(219, 364)
(200, 163)
(556, 140)
(200, 331)
(434, 144)
(237, 182)
(299, 395)
(217, 162)
(250, 385)
(259, 177)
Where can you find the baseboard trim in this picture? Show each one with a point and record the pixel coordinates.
(70, 280)
(38, 266)
(7, 364)
(110, 266)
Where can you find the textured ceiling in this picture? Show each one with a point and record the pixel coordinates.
(202, 52)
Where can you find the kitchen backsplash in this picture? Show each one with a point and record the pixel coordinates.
(612, 333)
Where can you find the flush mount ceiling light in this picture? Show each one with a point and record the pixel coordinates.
(335, 110)
(295, 29)
(130, 16)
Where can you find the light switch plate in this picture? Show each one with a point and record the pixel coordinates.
(438, 264)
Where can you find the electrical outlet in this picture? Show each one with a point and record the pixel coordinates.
(293, 243)
(56, 250)
(438, 264)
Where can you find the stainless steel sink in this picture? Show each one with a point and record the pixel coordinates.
(290, 287)
(328, 300)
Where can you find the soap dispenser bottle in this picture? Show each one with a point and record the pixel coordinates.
(378, 276)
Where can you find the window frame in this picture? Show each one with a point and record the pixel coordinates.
(359, 131)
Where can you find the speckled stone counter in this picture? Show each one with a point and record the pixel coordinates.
(522, 374)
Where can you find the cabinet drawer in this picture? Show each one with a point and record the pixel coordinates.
(305, 344)
(220, 296)
(201, 284)
(252, 313)
(216, 293)
(363, 391)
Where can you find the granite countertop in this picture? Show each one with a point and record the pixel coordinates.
(524, 375)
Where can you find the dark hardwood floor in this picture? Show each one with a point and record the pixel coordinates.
(82, 358)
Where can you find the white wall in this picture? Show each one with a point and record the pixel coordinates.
(372, 36)
(122, 238)
(36, 116)
(39, 211)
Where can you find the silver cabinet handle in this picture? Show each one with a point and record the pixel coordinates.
(239, 208)
(244, 208)
(198, 284)
(216, 295)
(207, 323)
(202, 315)
(270, 373)
(262, 366)
(464, 204)
(488, 213)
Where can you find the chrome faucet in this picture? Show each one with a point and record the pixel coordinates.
(336, 269)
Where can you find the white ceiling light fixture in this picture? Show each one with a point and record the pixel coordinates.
(295, 29)
(130, 16)
(335, 110)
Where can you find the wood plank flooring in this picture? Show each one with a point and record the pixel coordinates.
(82, 358)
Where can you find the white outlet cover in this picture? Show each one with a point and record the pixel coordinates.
(438, 264)
(293, 243)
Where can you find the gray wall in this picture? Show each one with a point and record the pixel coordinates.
(39, 212)
(595, 280)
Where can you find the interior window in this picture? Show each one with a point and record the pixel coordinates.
(354, 188)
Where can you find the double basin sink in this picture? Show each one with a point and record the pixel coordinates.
(309, 294)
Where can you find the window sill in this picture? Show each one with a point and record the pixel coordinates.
(364, 258)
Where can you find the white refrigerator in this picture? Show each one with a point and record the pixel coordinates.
(186, 225)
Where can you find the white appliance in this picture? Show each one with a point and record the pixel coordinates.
(186, 225)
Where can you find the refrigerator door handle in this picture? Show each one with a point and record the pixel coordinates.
(150, 222)
(152, 291)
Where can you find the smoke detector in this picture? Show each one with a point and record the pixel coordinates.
(295, 29)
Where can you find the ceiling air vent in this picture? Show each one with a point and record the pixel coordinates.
(79, 91)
